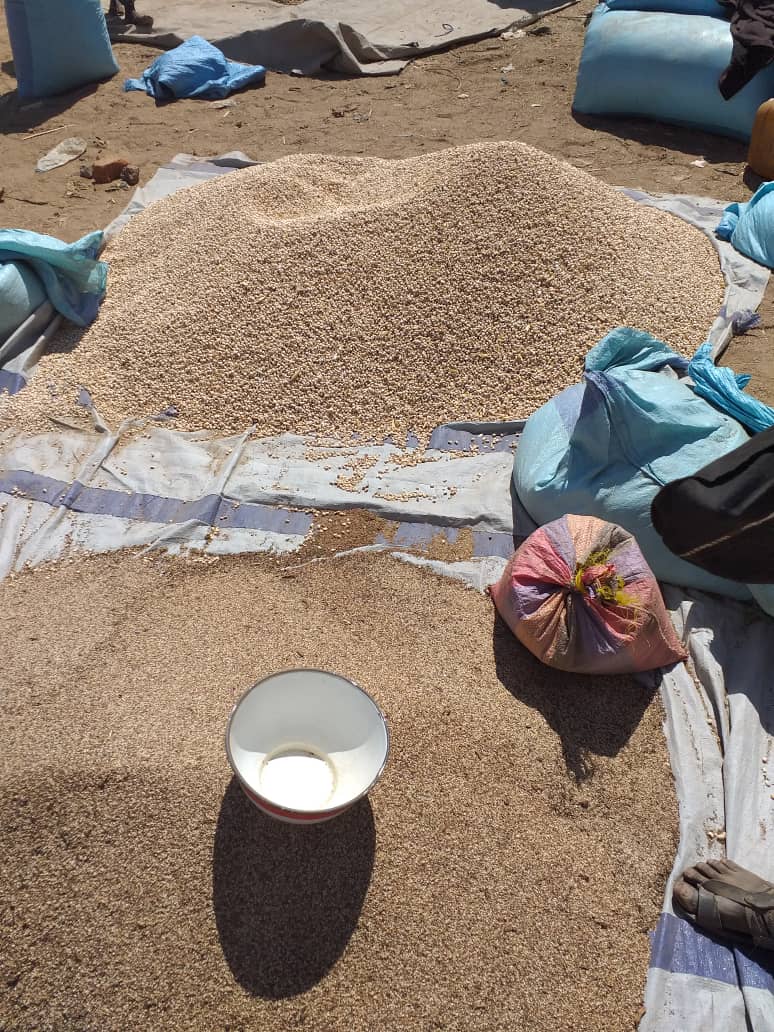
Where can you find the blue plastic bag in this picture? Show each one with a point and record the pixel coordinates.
(723, 388)
(605, 447)
(710, 8)
(749, 226)
(21, 292)
(195, 69)
(58, 45)
(625, 348)
(72, 277)
(720, 386)
(665, 67)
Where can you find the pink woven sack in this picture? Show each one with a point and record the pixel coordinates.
(580, 596)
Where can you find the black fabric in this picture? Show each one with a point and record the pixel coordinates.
(752, 29)
(722, 518)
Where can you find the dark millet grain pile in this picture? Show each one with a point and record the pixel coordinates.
(502, 876)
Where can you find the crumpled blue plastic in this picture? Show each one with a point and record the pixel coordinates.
(749, 226)
(195, 69)
(627, 349)
(73, 278)
(723, 388)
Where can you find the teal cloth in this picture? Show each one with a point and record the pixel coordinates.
(72, 276)
(724, 389)
(628, 349)
(58, 45)
(21, 293)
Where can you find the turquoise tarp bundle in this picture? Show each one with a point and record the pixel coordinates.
(73, 278)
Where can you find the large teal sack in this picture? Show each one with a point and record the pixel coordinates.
(72, 276)
(749, 225)
(711, 8)
(605, 448)
(21, 292)
(665, 66)
(58, 45)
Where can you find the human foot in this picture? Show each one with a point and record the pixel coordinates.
(726, 900)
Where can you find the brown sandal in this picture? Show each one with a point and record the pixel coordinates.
(730, 902)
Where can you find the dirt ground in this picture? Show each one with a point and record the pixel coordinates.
(452, 98)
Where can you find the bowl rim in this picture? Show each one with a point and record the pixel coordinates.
(307, 670)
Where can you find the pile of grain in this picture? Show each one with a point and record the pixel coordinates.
(483, 887)
(359, 294)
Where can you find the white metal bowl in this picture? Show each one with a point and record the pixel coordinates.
(306, 744)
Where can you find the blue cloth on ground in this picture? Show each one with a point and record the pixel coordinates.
(72, 277)
(722, 387)
(749, 226)
(195, 69)
(606, 446)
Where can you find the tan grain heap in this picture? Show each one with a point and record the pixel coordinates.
(360, 294)
(502, 877)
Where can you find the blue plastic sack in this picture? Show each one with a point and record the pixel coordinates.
(21, 292)
(606, 446)
(73, 279)
(665, 67)
(723, 388)
(58, 45)
(195, 69)
(710, 8)
(749, 225)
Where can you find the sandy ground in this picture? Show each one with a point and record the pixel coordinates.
(485, 885)
(455, 97)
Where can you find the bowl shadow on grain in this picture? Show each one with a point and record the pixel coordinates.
(714, 149)
(593, 716)
(287, 898)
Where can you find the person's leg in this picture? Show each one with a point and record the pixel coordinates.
(132, 17)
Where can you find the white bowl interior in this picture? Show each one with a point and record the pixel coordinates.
(307, 740)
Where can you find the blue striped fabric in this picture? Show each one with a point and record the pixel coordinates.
(678, 946)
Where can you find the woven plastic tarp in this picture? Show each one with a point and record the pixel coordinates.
(58, 45)
(604, 448)
(749, 225)
(354, 37)
(72, 276)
